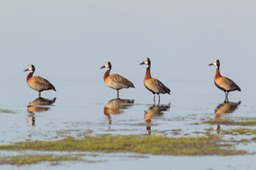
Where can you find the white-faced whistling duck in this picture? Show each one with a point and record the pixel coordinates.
(223, 83)
(152, 84)
(115, 81)
(36, 82)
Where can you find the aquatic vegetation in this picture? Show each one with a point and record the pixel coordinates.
(240, 122)
(240, 131)
(6, 111)
(32, 159)
(157, 145)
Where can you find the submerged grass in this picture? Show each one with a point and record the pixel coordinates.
(244, 122)
(32, 159)
(6, 111)
(239, 131)
(157, 145)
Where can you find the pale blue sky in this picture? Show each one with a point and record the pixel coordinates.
(180, 36)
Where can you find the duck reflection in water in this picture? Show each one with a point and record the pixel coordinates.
(154, 111)
(116, 106)
(225, 108)
(38, 105)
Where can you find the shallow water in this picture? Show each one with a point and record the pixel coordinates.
(89, 113)
(94, 113)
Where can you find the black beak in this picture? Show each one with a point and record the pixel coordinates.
(102, 67)
(142, 63)
(26, 70)
(211, 64)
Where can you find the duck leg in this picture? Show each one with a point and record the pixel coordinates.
(226, 97)
(158, 99)
(117, 95)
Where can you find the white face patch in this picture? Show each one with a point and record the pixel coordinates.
(146, 61)
(30, 68)
(215, 63)
(107, 65)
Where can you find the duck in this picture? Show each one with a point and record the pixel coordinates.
(115, 81)
(223, 83)
(152, 84)
(37, 83)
